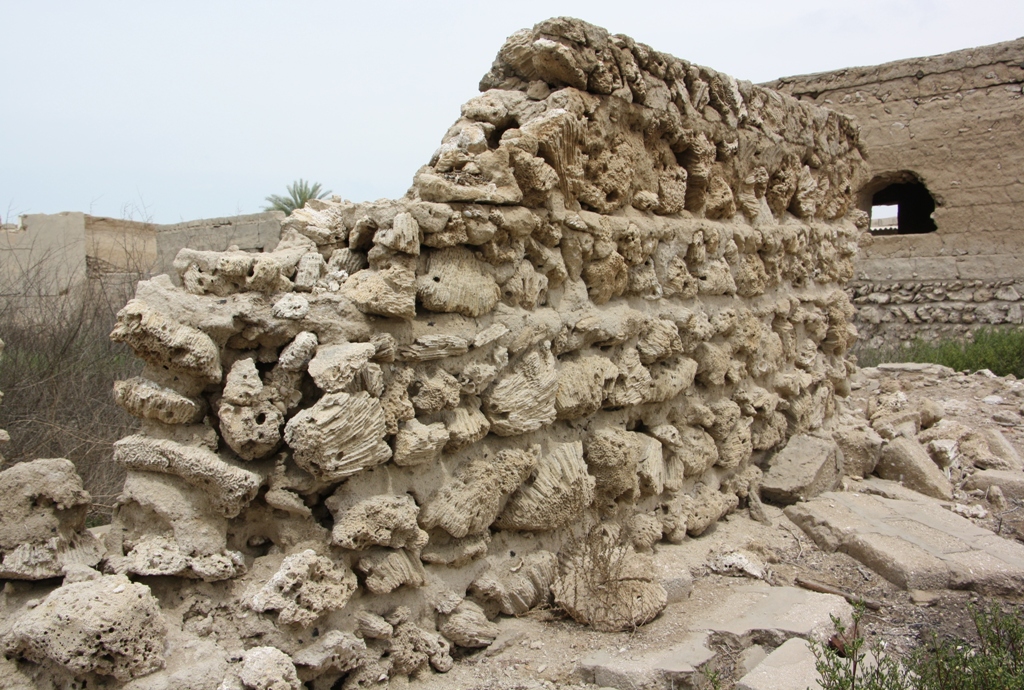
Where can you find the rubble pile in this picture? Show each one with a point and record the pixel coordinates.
(617, 286)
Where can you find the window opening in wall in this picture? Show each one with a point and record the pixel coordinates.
(913, 206)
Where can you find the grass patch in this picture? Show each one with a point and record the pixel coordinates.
(996, 660)
(999, 350)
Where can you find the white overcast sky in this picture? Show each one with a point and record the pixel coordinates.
(188, 109)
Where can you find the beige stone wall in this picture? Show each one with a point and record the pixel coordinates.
(48, 256)
(955, 121)
(609, 299)
(46, 250)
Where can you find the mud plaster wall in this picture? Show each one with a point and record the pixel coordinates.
(617, 285)
(48, 255)
(954, 120)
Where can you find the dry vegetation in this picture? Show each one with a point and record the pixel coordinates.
(57, 374)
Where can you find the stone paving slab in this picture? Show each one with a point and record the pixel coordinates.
(750, 613)
(770, 615)
(661, 668)
(790, 667)
(914, 544)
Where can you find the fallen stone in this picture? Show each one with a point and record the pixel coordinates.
(931, 412)
(906, 461)
(750, 657)
(861, 446)
(1010, 482)
(806, 467)
(668, 668)
(1001, 453)
(790, 667)
(762, 614)
(917, 368)
(913, 544)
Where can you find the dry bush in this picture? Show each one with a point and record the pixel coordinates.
(58, 369)
(603, 582)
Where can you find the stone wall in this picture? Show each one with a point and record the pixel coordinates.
(615, 290)
(51, 255)
(953, 122)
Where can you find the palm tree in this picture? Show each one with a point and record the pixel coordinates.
(299, 192)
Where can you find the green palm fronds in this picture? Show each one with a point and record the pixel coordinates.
(299, 192)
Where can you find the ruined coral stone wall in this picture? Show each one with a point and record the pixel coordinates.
(954, 121)
(617, 285)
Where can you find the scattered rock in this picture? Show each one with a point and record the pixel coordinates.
(790, 667)
(109, 626)
(43, 507)
(904, 460)
(806, 467)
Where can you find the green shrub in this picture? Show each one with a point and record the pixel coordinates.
(999, 350)
(996, 661)
(857, 667)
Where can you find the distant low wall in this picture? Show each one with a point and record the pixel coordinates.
(51, 255)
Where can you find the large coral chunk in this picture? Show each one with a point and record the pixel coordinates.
(42, 520)
(554, 496)
(517, 585)
(453, 281)
(523, 398)
(471, 500)
(341, 435)
(304, 587)
(607, 585)
(109, 626)
(163, 342)
(378, 521)
(229, 487)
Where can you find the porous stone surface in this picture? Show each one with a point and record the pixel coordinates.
(43, 507)
(614, 289)
(607, 585)
(108, 626)
(268, 668)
